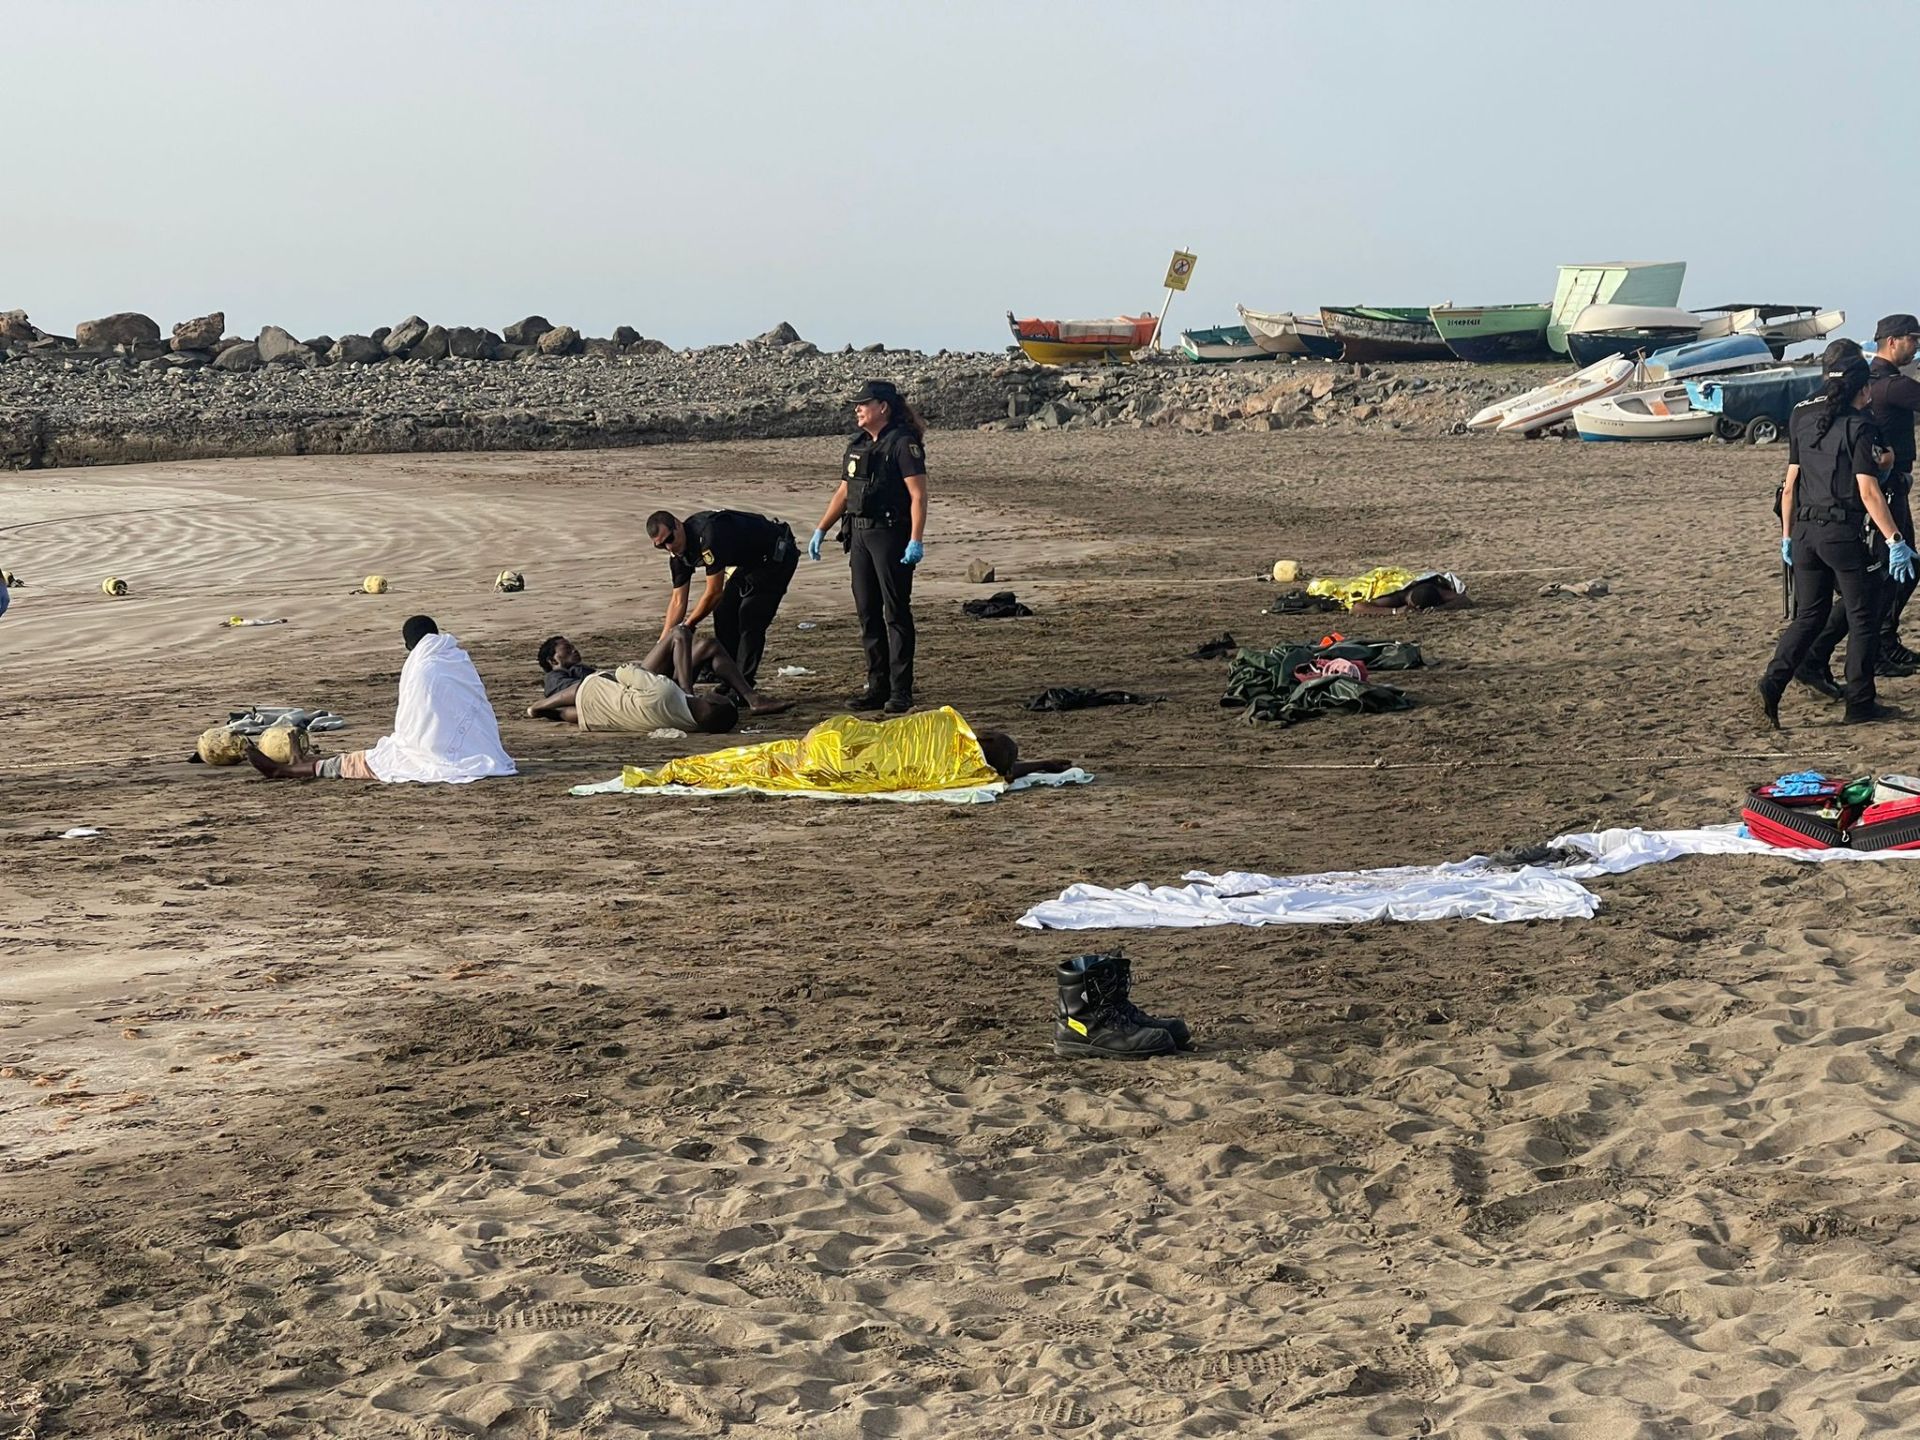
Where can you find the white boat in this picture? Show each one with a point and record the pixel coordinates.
(1610, 282)
(1778, 325)
(1604, 330)
(1550, 404)
(1221, 345)
(1663, 413)
(1282, 332)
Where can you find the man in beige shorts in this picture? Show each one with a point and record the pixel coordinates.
(636, 699)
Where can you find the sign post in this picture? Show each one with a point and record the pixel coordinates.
(1179, 271)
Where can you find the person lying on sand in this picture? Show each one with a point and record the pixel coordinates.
(443, 727)
(1429, 592)
(1002, 752)
(656, 694)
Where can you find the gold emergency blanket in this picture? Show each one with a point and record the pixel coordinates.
(931, 751)
(1383, 580)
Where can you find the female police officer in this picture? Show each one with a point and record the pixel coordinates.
(882, 497)
(1831, 497)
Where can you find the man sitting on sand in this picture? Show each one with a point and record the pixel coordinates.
(656, 694)
(443, 727)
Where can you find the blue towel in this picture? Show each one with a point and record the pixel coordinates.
(1803, 782)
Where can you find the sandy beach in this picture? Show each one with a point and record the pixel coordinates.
(370, 1111)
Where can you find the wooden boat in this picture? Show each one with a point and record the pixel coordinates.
(1082, 342)
(1707, 357)
(1664, 413)
(1285, 333)
(1604, 330)
(1778, 325)
(1611, 282)
(1494, 334)
(1384, 332)
(1222, 344)
(1550, 404)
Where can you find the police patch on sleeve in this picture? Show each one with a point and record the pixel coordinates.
(917, 451)
(853, 467)
(706, 557)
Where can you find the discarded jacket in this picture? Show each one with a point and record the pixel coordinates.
(1079, 697)
(998, 606)
(1214, 649)
(1299, 602)
(1265, 683)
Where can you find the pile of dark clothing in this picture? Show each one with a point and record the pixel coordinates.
(1299, 602)
(1214, 649)
(1291, 683)
(998, 606)
(1080, 697)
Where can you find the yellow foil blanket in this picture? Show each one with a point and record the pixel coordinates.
(930, 751)
(1371, 586)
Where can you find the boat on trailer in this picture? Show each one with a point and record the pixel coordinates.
(1083, 342)
(1283, 332)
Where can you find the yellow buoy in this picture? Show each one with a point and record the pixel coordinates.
(220, 746)
(285, 744)
(510, 582)
(113, 585)
(374, 585)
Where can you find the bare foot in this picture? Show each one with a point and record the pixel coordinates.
(272, 769)
(770, 707)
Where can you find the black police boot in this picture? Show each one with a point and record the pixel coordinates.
(1090, 1019)
(1819, 679)
(1892, 649)
(1172, 1024)
(900, 703)
(867, 699)
(1887, 668)
(1766, 707)
(1871, 711)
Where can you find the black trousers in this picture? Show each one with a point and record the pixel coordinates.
(1898, 592)
(1827, 556)
(749, 603)
(883, 594)
(1890, 596)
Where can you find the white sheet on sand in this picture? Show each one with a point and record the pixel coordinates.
(1460, 890)
(443, 726)
(969, 795)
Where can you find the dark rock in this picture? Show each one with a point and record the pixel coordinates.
(624, 335)
(877, 348)
(355, 350)
(561, 340)
(527, 331)
(278, 347)
(781, 334)
(15, 329)
(379, 337)
(200, 334)
(319, 344)
(507, 350)
(229, 343)
(243, 356)
(464, 342)
(601, 349)
(430, 346)
(126, 327)
(403, 337)
(800, 350)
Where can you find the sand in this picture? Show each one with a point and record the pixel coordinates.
(434, 1112)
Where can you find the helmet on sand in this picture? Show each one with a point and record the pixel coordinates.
(284, 744)
(113, 585)
(374, 585)
(510, 582)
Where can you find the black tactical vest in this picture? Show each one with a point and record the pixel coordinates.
(876, 489)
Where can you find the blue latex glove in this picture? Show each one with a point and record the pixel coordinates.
(1786, 550)
(1900, 559)
(914, 553)
(813, 545)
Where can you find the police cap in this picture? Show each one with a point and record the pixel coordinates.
(881, 390)
(1892, 325)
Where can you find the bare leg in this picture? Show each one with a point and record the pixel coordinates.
(274, 770)
(711, 652)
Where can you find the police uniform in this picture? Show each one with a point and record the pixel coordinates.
(762, 555)
(875, 531)
(1830, 549)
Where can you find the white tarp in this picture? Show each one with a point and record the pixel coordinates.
(443, 726)
(1460, 890)
(967, 795)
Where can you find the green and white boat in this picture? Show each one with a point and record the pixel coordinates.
(1494, 334)
(1611, 282)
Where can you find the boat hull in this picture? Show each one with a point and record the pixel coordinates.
(1289, 334)
(1590, 347)
(1061, 352)
(1550, 404)
(1665, 414)
(1224, 345)
(1384, 338)
(1495, 335)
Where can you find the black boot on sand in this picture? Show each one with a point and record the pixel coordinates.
(1092, 1019)
(1172, 1024)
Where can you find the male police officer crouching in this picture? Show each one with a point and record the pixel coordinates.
(882, 496)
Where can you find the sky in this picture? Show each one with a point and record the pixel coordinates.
(907, 172)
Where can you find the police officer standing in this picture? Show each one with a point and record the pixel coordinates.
(1892, 399)
(762, 554)
(882, 499)
(1830, 503)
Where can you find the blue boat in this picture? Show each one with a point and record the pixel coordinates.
(1709, 357)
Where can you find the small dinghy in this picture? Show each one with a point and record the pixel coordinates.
(1663, 413)
(1550, 404)
(1708, 357)
(1220, 345)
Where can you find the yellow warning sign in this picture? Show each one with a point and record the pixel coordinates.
(1180, 271)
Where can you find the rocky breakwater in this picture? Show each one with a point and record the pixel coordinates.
(116, 392)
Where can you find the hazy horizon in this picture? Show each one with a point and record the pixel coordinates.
(906, 175)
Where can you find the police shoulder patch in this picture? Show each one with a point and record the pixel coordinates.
(853, 467)
(706, 557)
(916, 450)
